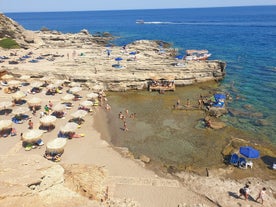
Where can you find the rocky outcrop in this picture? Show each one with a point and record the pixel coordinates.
(153, 60)
(11, 29)
(31, 180)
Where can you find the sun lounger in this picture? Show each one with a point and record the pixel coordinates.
(242, 163)
(234, 160)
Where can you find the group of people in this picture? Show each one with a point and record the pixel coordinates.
(245, 193)
(123, 118)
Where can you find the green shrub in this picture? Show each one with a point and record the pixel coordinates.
(8, 43)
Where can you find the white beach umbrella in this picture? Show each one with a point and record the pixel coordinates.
(86, 103)
(92, 95)
(18, 95)
(69, 127)
(14, 83)
(5, 104)
(48, 120)
(35, 101)
(68, 97)
(74, 84)
(20, 110)
(56, 145)
(75, 90)
(7, 77)
(36, 84)
(59, 107)
(32, 136)
(25, 77)
(5, 124)
(51, 86)
(59, 82)
(79, 114)
(46, 78)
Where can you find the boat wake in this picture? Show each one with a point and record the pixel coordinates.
(248, 24)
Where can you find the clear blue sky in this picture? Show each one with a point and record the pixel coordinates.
(90, 5)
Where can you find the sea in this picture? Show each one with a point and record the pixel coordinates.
(243, 37)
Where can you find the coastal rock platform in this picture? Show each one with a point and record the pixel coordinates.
(83, 57)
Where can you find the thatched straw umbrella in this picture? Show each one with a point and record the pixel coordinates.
(48, 120)
(68, 97)
(5, 105)
(36, 84)
(75, 90)
(20, 110)
(69, 127)
(32, 136)
(18, 95)
(5, 124)
(59, 107)
(7, 77)
(79, 114)
(56, 146)
(92, 95)
(86, 104)
(35, 101)
(14, 83)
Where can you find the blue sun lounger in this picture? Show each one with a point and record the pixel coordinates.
(234, 160)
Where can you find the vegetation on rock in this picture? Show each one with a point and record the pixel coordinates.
(9, 43)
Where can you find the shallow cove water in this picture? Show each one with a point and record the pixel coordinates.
(169, 137)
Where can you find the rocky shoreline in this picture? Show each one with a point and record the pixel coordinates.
(91, 65)
(82, 58)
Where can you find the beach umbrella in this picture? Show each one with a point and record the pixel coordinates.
(5, 124)
(48, 120)
(32, 136)
(249, 152)
(14, 83)
(68, 97)
(118, 59)
(36, 84)
(75, 89)
(133, 53)
(51, 86)
(74, 84)
(92, 95)
(46, 78)
(69, 127)
(25, 77)
(79, 114)
(59, 82)
(179, 57)
(56, 145)
(59, 107)
(35, 101)
(5, 104)
(18, 95)
(20, 110)
(86, 103)
(7, 77)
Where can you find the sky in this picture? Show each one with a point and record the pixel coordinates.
(93, 5)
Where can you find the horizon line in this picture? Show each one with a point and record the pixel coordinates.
(138, 9)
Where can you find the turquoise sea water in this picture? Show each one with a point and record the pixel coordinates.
(244, 37)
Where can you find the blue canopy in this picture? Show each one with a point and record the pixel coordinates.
(132, 53)
(179, 57)
(249, 152)
(219, 96)
(118, 59)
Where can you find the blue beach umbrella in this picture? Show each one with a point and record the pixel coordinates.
(132, 53)
(179, 57)
(118, 59)
(249, 152)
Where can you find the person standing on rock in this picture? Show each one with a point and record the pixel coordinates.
(245, 192)
(261, 195)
